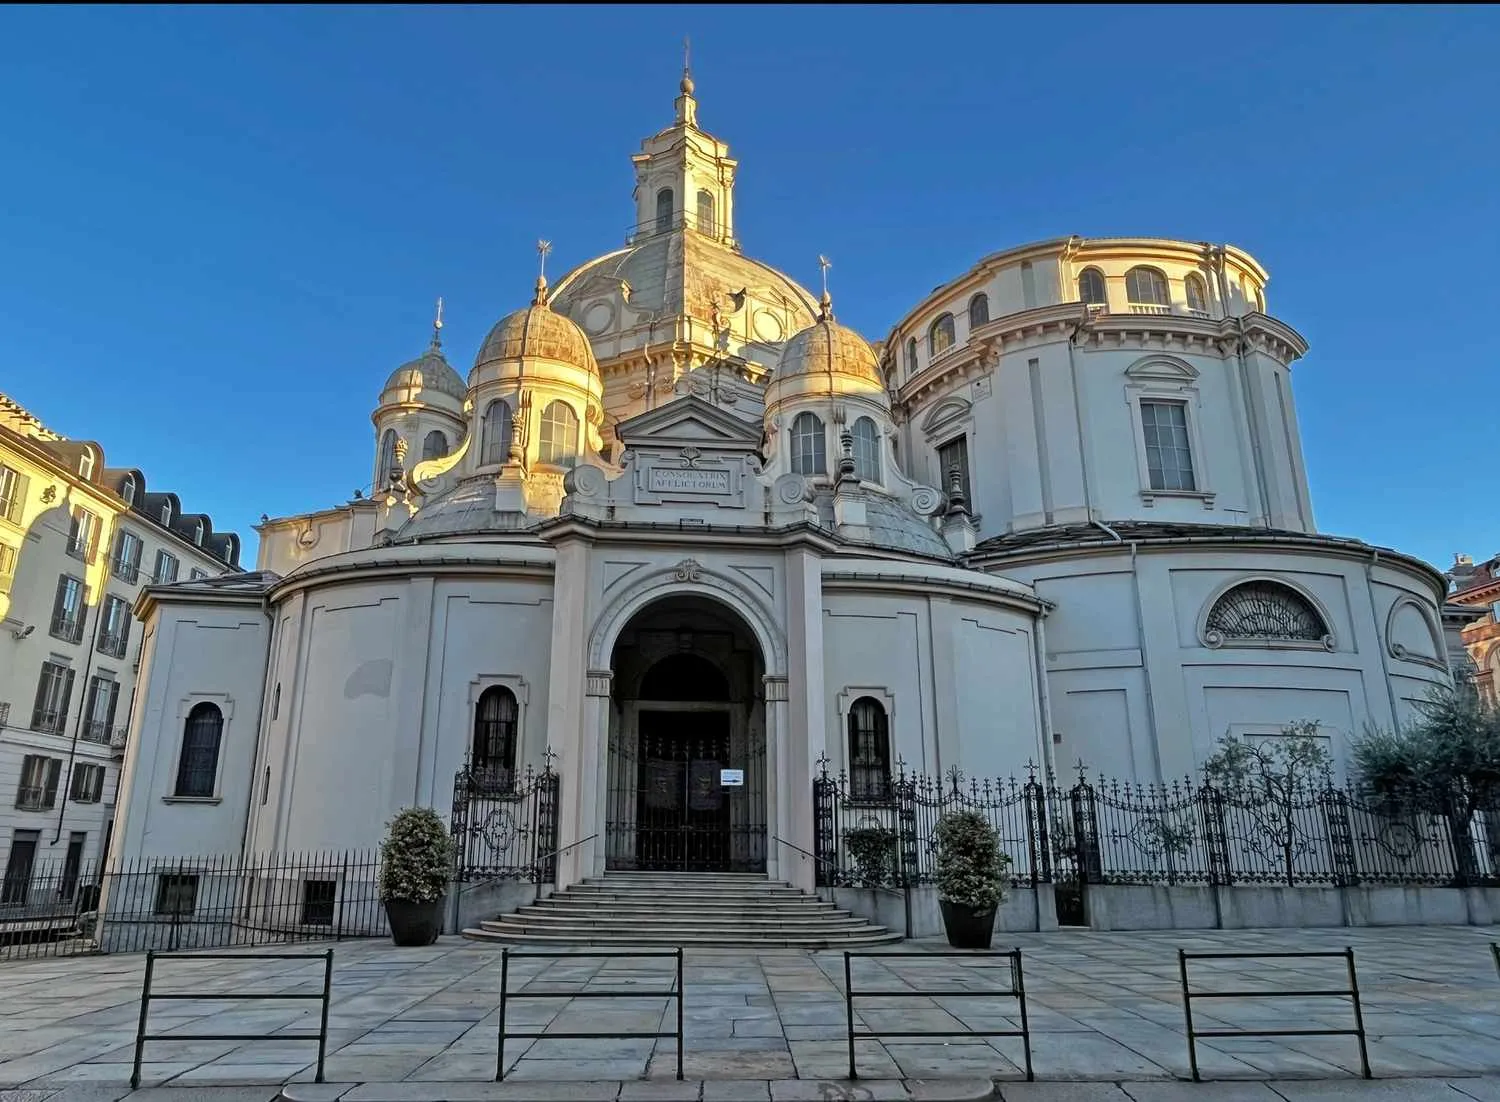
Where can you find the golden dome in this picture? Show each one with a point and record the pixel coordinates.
(828, 347)
(537, 332)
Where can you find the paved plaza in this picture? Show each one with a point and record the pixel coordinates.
(1104, 1007)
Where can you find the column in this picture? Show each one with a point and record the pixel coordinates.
(565, 704)
(802, 739)
(781, 863)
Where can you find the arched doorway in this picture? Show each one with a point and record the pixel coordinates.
(687, 747)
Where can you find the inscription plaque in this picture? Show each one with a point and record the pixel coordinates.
(667, 480)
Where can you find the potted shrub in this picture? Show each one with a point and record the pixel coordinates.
(970, 878)
(872, 848)
(416, 862)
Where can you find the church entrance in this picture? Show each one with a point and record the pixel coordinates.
(687, 743)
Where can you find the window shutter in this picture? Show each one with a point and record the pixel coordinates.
(67, 697)
(114, 700)
(42, 685)
(54, 767)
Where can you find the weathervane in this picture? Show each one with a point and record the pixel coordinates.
(826, 303)
(542, 249)
(437, 324)
(687, 55)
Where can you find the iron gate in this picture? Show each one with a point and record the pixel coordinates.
(505, 824)
(672, 804)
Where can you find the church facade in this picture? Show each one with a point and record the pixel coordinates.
(686, 540)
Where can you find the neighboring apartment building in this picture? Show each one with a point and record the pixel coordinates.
(1473, 614)
(78, 541)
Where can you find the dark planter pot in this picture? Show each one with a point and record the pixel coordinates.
(414, 923)
(968, 927)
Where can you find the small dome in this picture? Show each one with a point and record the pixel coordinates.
(540, 332)
(428, 372)
(827, 346)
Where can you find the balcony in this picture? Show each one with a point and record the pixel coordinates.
(67, 625)
(117, 738)
(112, 643)
(96, 730)
(127, 572)
(1149, 308)
(82, 551)
(32, 798)
(48, 721)
(4, 712)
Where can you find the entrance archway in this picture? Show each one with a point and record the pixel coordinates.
(686, 773)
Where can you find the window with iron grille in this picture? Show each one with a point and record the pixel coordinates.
(1091, 288)
(7, 567)
(869, 750)
(126, 561)
(198, 767)
(54, 691)
(176, 893)
(67, 609)
(1146, 287)
(809, 445)
(166, 568)
(1265, 610)
(99, 708)
(38, 788)
(866, 450)
(492, 761)
(954, 456)
(1169, 457)
(114, 627)
(12, 494)
(317, 902)
(88, 783)
(83, 537)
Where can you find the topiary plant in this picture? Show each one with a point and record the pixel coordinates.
(970, 866)
(872, 849)
(416, 857)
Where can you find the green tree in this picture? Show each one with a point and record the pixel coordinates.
(1270, 780)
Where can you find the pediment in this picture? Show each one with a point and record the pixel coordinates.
(1166, 368)
(689, 422)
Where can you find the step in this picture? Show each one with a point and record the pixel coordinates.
(876, 935)
(683, 922)
(592, 891)
(717, 914)
(653, 910)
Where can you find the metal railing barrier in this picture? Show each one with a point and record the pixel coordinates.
(1017, 991)
(1350, 992)
(508, 954)
(147, 996)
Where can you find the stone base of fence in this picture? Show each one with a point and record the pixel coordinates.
(1241, 907)
(1024, 909)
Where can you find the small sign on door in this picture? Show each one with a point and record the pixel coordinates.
(732, 778)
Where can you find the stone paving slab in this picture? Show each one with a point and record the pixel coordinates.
(1102, 1006)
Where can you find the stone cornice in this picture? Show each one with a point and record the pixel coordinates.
(837, 579)
(416, 560)
(1177, 333)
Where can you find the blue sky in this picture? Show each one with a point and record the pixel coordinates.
(223, 227)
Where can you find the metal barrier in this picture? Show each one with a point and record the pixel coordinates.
(507, 955)
(147, 995)
(1017, 991)
(1351, 992)
(1495, 952)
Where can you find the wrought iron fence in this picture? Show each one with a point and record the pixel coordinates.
(504, 824)
(189, 903)
(1099, 831)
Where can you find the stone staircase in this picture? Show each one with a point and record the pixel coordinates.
(687, 909)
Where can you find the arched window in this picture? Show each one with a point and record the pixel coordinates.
(435, 446)
(869, 750)
(1197, 293)
(706, 212)
(1146, 291)
(911, 356)
(387, 459)
(497, 429)
(198, 767)
(492, 760)
(664, 209)
(808, 445)
(940, 335)
(866, 450)
(979, 310)
(1264, 611)
(127, 490)
(1091, 287)
(559, 434)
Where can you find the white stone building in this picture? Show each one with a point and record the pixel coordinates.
(677, 519)
(78, 542)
